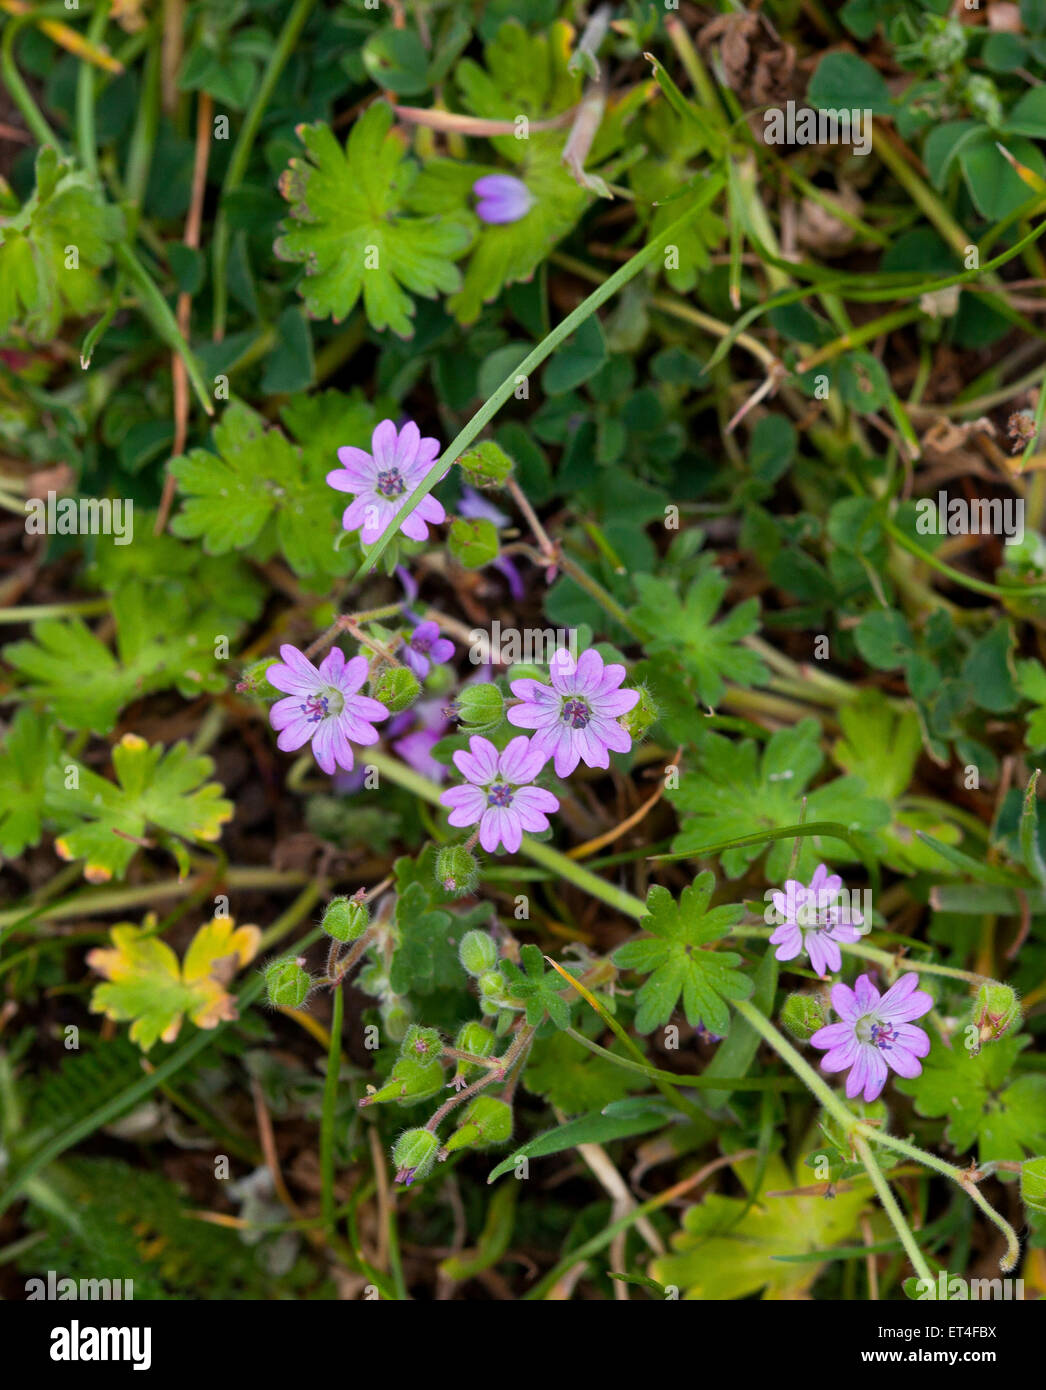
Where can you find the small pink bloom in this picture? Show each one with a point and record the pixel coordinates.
(324, 706)
(425, 648)
(875, 1033)
(497, 793)
(814, 922)
(575, 719)
(383, 480)
(502, 198)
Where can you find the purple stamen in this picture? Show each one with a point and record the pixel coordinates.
(499, 795)
(316, 708)
(576, 713)
(391, 484)
(883, 1036)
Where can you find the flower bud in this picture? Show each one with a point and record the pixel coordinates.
(397, 1021)
(253, 680)
(640, 717)
(345, 919)
(456, 870)
(995, 1011)
(491, 991)
(486, 464)
(478, 952)
(477, 1040)
(803, 1015)
(486, 1121)
(287, 983)
(414, 1154)
(1033, 1184)
(397, 687)
(480, 706)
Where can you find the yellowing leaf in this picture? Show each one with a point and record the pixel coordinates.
(147, 985)
(718, 1256)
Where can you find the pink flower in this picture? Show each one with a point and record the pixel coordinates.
(502, 198)
(576, 718)
(875, 1033)
(497, 793)
(323, 706)
(383, 480)
(814, 922)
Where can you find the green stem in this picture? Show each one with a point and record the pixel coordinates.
(544, 349)
(330, 1096)
(241, 154)
(85, 93)
(158, 312)
(893, 1211)
(17, 88)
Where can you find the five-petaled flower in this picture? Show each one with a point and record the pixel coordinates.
(497, 792)
(575, 719)
(814, 921)
(426, 648)
(875, 1033)
(383, 480)
(324, 706)
(502, 198)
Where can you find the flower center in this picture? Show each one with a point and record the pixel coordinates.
(500, 794)
(880, 1035)
(576, 713)
(420, 644)
(319, 707)
(390, 483)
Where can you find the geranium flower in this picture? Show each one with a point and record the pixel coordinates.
(497, 793)
(323, 705)
(383, 480)
(575, 719)
(425, 649)
(814, 922)
(502, 198)
(875, 1033)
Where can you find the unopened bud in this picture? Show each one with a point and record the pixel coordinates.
(486, 1121)
(995, 1011)
(480, 706)
(414, 1154)
(640, 717)
(345, 919)
(456, 870)
(478, 952)
(397, 687)
(287, 983)
(803, 1015)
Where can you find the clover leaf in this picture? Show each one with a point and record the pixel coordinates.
(263, 490)
(85, 686)
(537, 988)
(52, 249)
(1005, 1119)
(735, 791)
(711, 653)
(146, 983)
(675, 957)
(104, 822)
(350, 226)
(30, 746)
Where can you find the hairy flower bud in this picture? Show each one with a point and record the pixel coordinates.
(414, 1154)
(803, 1015)
(480, 706)
(478, 952)
(486, 464)
(456, 870)
(640, 717)
(397, 687)
(486, 1121)
(345, 919)
(287, 983)
(253, 680)
(995, 1011)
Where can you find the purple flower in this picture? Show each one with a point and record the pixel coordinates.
(497, 793)
(415, 747)
(813, 921)
(323, 706)
(502, 198)
(426, 648)
(576, 718)
(875, 1033)
(383, 480)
